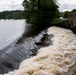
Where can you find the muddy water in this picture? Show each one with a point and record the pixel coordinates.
(11, 57)
(52, 60)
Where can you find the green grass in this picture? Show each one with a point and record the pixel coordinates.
(56, 21)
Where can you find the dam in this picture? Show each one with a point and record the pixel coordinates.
(56, 59)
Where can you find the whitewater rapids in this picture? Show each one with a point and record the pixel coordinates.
(51, 60)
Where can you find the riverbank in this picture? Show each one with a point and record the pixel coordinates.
(51, 60)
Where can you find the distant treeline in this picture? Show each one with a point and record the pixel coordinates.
(17, 14)
(66, 13)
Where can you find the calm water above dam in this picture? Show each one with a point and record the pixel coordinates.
(10, 30)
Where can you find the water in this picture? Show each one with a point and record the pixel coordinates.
(10, 30)
(52, 60)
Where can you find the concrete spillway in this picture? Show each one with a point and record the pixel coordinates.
(52, 60)
(14, 54)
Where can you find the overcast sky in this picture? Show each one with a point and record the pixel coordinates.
(67, 5)
(11, 5)
(16, 4)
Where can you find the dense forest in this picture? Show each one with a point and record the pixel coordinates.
(16, 14)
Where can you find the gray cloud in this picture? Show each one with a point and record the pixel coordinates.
(11, 5)
(17, 4)
(67, 5)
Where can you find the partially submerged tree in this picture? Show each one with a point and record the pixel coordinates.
(40, 12)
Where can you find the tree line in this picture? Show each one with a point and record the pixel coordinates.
(16, 14)
(66, 13)
(36, 12)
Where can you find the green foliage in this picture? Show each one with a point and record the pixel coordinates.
(40, 12)
(73, 11)
(61, 14)
(17, 14)
(65, 15)
(56, 21)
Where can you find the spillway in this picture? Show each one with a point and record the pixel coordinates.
(56, 59)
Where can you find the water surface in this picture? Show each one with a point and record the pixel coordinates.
(10, 30)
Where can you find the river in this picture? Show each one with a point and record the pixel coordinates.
(56, 59)
(10, 30)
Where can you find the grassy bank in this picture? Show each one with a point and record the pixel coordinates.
(56, 21)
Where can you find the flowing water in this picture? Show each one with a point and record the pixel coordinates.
(13, 54)
(51, 60)
(10, 30)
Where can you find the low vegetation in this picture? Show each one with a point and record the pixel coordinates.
(66, 13)
(17, 14)
(57, 20)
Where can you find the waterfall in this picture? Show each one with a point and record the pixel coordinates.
(54, 59)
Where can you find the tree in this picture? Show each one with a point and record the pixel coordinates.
(73, 11)
(40, 12)
(16, 14)
(65, 15)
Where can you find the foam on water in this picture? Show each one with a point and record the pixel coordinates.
(51, 60)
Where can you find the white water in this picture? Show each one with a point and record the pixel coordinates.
(51, 60)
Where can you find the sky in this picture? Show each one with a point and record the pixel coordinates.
(17, 5)
(11, 5)
(67, 5)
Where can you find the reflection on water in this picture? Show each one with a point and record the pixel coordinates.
(10, 30)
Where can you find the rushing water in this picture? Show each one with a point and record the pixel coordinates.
(10, 30)
(52, 60)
